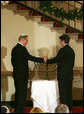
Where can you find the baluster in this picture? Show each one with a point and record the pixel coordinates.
(37, 5)
(32, 4)
(74, 20)
(68, 11)
(25, 3)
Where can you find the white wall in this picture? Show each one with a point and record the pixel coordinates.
(12, 25)
(78, 48)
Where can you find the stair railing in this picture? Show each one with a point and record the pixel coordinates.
(67, 5)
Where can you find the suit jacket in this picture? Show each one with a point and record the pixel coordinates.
(65, 59)
(19, 60)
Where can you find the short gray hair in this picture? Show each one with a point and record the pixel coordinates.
(23, 36)
(62, 108)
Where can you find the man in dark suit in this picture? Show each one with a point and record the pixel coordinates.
(19, 60)
(65, 60)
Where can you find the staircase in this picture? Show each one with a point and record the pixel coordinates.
(31, 10)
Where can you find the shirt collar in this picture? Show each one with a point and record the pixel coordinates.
(66, 44)
(20, 43)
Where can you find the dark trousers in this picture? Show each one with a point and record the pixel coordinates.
(20, 94)
(65, 92)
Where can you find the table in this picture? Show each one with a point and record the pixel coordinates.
(45, 94)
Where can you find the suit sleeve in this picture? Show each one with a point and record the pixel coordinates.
(57, 58)
(32, 58)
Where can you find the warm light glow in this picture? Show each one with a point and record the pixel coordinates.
(4, 2)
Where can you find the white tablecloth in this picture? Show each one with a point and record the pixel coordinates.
(45, 94)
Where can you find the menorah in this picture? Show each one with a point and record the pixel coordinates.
(44, 67)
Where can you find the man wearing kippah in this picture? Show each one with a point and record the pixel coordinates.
(65, 60)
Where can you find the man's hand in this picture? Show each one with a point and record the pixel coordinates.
(45, 59)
